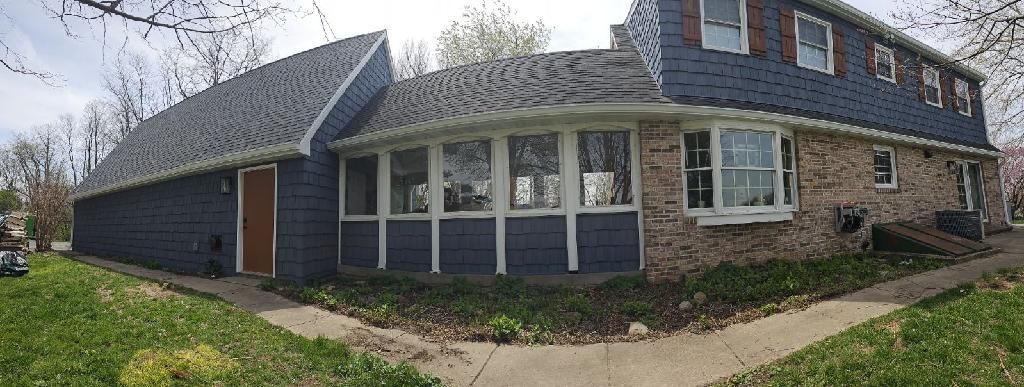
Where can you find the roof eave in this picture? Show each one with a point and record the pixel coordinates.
(867, 21)
(646, 110)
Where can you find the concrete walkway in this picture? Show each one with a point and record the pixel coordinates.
(679, 361)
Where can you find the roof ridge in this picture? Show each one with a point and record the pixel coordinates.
(508, 59)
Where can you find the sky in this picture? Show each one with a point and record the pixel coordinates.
(26, 102)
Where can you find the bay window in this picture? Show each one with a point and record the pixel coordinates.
(535, 179)
(410, 188)
(605, 169)
(814, 43)
(361, 186)
(724, 23)
(738, 169)
(467, 176)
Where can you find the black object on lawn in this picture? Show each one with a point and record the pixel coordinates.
(13, 264)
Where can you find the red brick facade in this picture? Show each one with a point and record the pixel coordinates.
(830, 169)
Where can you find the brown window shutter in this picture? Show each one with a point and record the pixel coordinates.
(954, 103)
(755, 28)
(900, 68)
(920, 83)
(945, 88)
(869, 53)
(787, 18)
(839, 51)
(691, 23)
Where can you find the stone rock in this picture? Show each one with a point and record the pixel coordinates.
(685, 305)
(700, 298)
(638, 328)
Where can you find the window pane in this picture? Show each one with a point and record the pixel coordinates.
(723, 36)
(535, 179)
(605, 176)
(746, 188)
(410, 191)
(813, 33)
(747, 149)
(722, 10)
(883, 167)
(698, 150)
(977, 196)
(787, 154)
(467, 176)
(884, 63)
(788, 185)
(699, 191)
(961, 187)
(813, 56)
(361, 186)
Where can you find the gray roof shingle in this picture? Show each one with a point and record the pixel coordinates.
(559, 78)
(275, 104)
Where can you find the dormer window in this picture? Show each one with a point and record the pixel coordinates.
(815, 43)
(885, 63)
(724, 25)
(963, 99)
(932, 86)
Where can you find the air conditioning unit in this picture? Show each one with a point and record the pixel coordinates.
(850, 218)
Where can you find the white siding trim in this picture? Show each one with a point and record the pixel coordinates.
(435, 181)
(571, 198)
(499, 186)
(383, 207)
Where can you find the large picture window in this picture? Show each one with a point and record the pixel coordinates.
(724, 25)
(605, 171)
(361, 186)
(410, 188)
(534, 172)
(738, 170)
(814, 48)
(467, 176)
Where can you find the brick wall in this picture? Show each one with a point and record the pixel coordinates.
(830, 169)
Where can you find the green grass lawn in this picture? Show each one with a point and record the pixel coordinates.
(1018, 221)
(71, 324)
(972, 335)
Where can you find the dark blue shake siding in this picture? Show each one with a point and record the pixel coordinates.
(693, 75)
(359, 243)
(408, 244)
(468, 246)
(536, 246)
(608, 243)
(162, 223)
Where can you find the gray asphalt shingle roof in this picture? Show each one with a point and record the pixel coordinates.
(559, 78)
(275, 104)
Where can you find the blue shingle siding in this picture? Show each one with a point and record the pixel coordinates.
(408, 245)
(709, 77)
(359, 243)
(310, 191)
(642, 23)
(468, 246)
(162, 223)
(536, 246)
(608, 243)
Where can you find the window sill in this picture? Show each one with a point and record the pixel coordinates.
(727, 219)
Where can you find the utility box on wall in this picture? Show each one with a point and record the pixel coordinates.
(850, 218)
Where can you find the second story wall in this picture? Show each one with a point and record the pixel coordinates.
(691, 74)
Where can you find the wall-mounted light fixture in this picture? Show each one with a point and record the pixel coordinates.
(225, 185)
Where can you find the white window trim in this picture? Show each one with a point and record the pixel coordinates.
(892, 159)
(938, 90)
(494, 172)
(956, 94)
(744, 39)
(740, 214)
(829, 57)
(892, 66)
(569, 171)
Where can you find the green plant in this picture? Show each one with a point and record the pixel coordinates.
(578, 303)
(367, 370)
(267, 285)
(624, 283)
(769, 308)
(214, 268)
(703, 322)
(510, 287)
(380, 314)
(636, 309)
(468, 306)
(504, 328)
(151, 264)
(318, 296)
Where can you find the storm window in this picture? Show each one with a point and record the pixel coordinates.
(963, 99)
(724, 24)
(814, 46)
(534, 172)
(410, 189)
(361, 186)
(605, 171)
(885, 63)
(885, 167)
(467, 176)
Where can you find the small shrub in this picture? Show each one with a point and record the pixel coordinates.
(770, 308)
(510, 287)
(368, 370)
(624, 282)
(267, 285)
(636, 309)
(703, 322)
(578, 303)
(504, 328)
(468, 306)
(318, 296)
(214, 269)
(380, 314)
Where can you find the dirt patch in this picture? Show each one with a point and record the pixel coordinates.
(894, 327)
(106, 295)
(155, 291)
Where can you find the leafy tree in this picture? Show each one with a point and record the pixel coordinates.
(487, 32)
(1013, 180)
(9, 201)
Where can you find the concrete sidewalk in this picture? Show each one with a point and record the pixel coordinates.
(678, 361)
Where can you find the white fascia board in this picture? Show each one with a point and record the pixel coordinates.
(271, 153)
(640, 111)
(304, 145)
(864, 20)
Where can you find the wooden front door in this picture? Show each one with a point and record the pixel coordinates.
(258, 196)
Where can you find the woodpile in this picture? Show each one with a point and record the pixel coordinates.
(12, 232)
